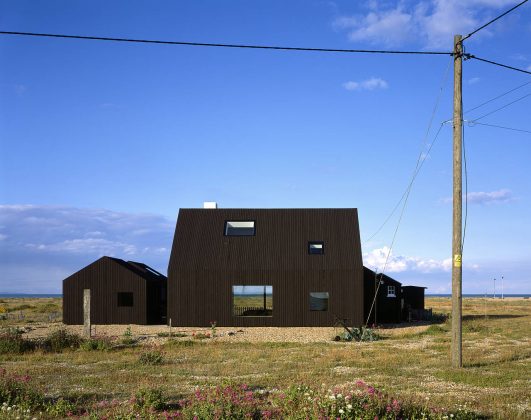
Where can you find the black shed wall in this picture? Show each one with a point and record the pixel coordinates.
(386, 309)
(413, 297)
(105, 278)
(205, 264)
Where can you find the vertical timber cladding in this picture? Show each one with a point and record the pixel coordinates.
(205, 264)
(106, 278)
(388, 307)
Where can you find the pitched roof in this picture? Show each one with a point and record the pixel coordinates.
(140, 269)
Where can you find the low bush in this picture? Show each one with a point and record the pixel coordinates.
(59, 340)
(127, 337)
(12, 341)
(96, 343)
(61, 408)
(153, 357)
(152, 398)
(359, 334)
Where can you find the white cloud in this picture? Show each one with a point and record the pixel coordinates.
(482, 197)
(500, 196)
(369, 84)
(473, 80)
(431, 23)
(55, 239)
(376, 259)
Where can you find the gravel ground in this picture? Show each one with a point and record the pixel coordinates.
(149, 333)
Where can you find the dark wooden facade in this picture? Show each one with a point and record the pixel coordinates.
(413, 302)
(108, 277)
(205, 264)
(387, 307)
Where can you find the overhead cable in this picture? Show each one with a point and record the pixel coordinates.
(493, 20)
(499, 64)
(204, 44)
(500, 108)
(420, 161)
(497, 97)
(473, 123)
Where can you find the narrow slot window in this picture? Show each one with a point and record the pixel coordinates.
(316, 247)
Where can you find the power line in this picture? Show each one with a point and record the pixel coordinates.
(497, 97)
(420, 161)
(498, 64)
(473, 123)
(203, 44)
(500, 108)
(493, 20)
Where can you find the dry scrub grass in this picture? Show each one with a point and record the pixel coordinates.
(411, 362)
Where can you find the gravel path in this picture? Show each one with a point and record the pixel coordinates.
(230, 334)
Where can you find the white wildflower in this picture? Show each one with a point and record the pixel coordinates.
(341, 411)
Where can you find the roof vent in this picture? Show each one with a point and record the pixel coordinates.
(210, 205)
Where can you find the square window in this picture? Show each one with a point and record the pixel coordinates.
(391, 291)
(252, 300)
(125, 299)
(318, 301)
(316, 247)
(240, 228)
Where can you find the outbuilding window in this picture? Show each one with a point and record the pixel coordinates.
(240, 228)
(316, 247)
(319, 301)
(391, 291)
(125, 299)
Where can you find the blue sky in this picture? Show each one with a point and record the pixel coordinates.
(102, 143)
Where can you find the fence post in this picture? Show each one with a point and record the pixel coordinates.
(86, 313)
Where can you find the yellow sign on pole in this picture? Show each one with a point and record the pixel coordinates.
(457, 260)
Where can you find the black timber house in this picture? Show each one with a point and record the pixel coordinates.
(266, 267)
(122, 292)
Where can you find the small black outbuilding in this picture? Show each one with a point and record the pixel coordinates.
(387, 307)
(122, 292)
(413, 302)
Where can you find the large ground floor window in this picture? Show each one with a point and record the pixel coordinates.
(252, 300)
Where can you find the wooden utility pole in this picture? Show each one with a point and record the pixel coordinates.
(457, 359)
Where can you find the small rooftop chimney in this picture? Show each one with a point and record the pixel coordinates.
(210, 205)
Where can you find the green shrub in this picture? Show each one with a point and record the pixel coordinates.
(102, 343)
(127, 337)
(360, 334)
(154, 357)
(59, 340)
(152, 398)
(12, 341)
(61, 408)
